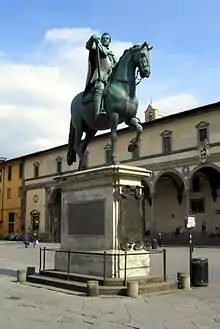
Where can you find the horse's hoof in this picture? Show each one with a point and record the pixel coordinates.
(115, 163)
(138, 245)
(131, 147)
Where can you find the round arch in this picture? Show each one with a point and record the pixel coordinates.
(201, 166)
(55, 193)
(208, 172)
(169, 201)
(177, 180)
(172, 172)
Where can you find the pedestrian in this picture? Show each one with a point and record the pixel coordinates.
(26, 241)
(35, 240)
(204, 227)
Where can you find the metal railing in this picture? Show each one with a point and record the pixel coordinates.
(44, 250)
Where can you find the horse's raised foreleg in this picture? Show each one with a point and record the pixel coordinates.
(114, 119)
(136, 124)
(83, 146)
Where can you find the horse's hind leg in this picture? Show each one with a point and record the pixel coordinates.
(78, 136)
(90, 133)
(136, 124)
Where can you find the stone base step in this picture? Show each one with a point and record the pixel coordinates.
(147, 288)
(107, 282)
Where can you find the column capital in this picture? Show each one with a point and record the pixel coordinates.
(152, 194)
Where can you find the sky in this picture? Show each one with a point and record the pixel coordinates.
(43, 60)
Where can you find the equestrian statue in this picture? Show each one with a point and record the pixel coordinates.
(109, 97)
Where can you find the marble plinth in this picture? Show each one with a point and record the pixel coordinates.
(100, 211)
(138, 263)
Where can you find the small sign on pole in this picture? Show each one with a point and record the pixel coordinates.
(191, 222)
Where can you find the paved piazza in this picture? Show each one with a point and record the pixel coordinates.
(30, 307)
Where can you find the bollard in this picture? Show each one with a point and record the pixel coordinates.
(21, 275)
(92, 288)
(160, 240)
(184, 280)
(178, 278)
(30, 270)
(132, 289)
(154, 243)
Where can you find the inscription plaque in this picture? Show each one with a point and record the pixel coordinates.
(87, 217)
(131, 221)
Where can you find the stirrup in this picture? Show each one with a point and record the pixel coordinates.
(102, 112)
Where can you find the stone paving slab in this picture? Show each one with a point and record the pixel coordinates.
(23, 306)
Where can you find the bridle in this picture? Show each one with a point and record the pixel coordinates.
(138, 77)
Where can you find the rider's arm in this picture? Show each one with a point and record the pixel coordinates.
(91, 45)
(102, 49)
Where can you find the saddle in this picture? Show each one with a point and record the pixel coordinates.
(87, 96)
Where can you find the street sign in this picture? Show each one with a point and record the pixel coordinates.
(191, 222)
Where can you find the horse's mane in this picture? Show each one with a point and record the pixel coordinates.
(134, 47)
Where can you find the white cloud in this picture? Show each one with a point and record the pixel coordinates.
(69, 35)
(35, 94)
(175, 103)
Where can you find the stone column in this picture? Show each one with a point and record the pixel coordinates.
(153, 219)
(187, 201)
(186, 174)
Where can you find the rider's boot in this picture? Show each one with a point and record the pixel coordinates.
(97, 103)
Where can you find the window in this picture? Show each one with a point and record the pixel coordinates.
(166, 144)
(36, 169)
(108, 153)
(9, 172)
(11, 222)
(9, 193)
(21, 170)
(59, 165)
(166, 141)
(19, 191)
(203, 134)
(35, 219)
(202, 131)
(197, 206)
(151, 116)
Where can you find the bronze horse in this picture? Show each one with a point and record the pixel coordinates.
(120, 104)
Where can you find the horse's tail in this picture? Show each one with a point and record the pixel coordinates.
(71, 153)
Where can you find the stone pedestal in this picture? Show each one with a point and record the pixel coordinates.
(102, 220)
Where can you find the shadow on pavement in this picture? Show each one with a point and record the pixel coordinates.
(7, 272)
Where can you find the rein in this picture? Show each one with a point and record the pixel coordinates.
(138, 78)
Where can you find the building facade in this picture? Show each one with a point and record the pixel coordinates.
(183, 152)
(12, 214)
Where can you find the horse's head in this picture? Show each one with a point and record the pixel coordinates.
(142, 59)
(137, 56)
